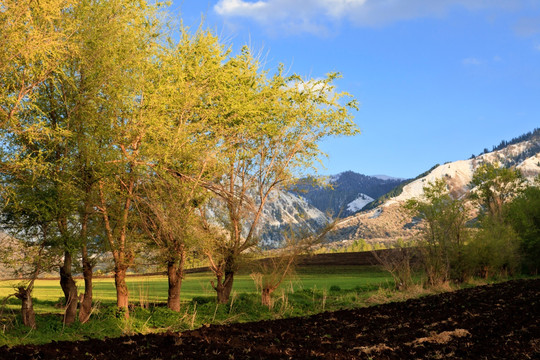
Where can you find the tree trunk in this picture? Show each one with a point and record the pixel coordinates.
(175, 273)
(86, 302)
(122, 293)
(266, 297)
(27, 309)
(223, 290)
(69, 288)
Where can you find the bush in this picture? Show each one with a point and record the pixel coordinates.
(201, 300)
(444, 233)
(523, 214)
(335, 288)
(494, 250)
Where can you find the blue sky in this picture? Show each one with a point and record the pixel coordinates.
(437, 80)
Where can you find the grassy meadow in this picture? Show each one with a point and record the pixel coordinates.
(153, 289)
(312, 289)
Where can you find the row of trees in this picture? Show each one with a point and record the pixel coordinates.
(495, 230)
(115, 135)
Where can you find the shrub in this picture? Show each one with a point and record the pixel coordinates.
(201, 300)
(494, 250)
(335, 288)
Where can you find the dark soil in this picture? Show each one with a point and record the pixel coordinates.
(489, 322)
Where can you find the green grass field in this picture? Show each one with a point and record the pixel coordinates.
(153, 289)
(313, 289)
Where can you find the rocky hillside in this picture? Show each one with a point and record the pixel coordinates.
(388, 221)
(314, 202)
(286, 211)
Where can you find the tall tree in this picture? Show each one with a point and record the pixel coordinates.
(35, 132)
(495, 246)
(126, 49)
(269, 130)
(75, 107)
(493, 186)
(183, 150)
(523, 214)
(444, 234)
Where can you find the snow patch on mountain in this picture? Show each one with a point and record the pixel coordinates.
(334, 178)
(458, 174)
(359, 203)
(386, 177)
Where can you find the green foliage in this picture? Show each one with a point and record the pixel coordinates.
(444, 233)
(523, 214)
(493, 186)
(359, 245)
(494, 249)
(335, 287)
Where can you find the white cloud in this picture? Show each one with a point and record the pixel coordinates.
(316, 15)
(298, 16)
(314, 85)
(241, 8)
(471, 61)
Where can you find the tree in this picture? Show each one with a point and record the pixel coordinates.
(28, 216)
(75, 112)
(108, 90)
(444, 233)
(183, 151)
(32, 170)
(494, 249)
(493, 185)
(168, 215)
(397, 261)
(34, 47)
(274, 270)
(268, 131)
(55, 128)
(523, 214)
(495, 245)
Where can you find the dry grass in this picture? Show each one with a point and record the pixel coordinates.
(374, 348)
(441, 338)
(383, 295)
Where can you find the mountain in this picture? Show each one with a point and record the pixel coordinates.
(350, 195)
(285, 211)
(385, 177)
(346, 193)
(386, 220)
(313, 203)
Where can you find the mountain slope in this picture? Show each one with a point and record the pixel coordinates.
(389, 221)
(343, 194)
(284, 211)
